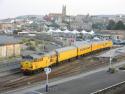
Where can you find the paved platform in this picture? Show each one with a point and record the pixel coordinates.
(88, 84)
(84, 83)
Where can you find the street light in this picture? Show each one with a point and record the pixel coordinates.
(111, 69)
(110, 65)
(112, 56)
(110, 60)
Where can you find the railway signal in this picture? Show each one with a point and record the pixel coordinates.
(47, 71)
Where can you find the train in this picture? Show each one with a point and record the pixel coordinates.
(35, 62)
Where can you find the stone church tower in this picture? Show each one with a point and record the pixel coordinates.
(63, 13)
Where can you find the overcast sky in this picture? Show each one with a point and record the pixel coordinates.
(13, 8)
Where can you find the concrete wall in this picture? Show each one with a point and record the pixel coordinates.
(3, 51)
(10, 50)
(17, 49)
(0, 51)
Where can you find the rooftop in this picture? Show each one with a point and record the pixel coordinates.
(8, 40)
(111, 32)
(65, 48)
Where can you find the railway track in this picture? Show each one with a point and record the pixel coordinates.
(9, 72)
(18, 80)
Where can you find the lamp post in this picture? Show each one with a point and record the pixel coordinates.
(111, 69)
(110, 62)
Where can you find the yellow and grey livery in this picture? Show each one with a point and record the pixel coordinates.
(66, 53)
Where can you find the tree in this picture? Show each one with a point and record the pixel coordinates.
(99, 26)
(119, 26)
(111, 25)
(116, 26)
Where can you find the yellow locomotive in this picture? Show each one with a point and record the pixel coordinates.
(38, 62)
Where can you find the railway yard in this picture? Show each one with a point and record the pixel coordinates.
(13, 79)
(62, 47)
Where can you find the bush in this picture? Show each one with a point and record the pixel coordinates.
(112, 70)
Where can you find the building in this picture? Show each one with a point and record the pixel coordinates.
(81, 22)
(9, 46)
(63, 13)
(59, 17)
(6, 26)
(112, 34)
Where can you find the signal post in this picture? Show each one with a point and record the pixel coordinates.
(47, 71)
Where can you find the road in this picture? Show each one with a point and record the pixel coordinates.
(84, 83)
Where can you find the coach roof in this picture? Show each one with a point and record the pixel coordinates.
(65, 48)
